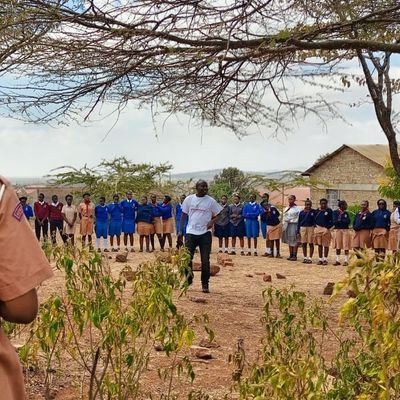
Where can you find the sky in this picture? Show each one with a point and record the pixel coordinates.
(34, 150)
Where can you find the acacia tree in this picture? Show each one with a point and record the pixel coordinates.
(229, 63)
(114, 176)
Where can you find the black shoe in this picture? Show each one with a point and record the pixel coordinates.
(204, 288)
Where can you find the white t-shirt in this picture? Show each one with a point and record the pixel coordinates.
(200, 211)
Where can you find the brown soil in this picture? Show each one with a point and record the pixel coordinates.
(234, 308)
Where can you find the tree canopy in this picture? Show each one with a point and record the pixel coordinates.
(229, 63)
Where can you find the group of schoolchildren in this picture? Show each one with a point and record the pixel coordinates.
(297, 227)
(307, 227)
(112, 220)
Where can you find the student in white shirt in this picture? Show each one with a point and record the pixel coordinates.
(202, 211)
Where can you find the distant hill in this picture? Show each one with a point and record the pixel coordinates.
(27, 180)
(208, 175)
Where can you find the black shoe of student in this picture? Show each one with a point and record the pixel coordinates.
(204, 288)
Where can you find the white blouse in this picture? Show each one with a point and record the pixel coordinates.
(291, 214)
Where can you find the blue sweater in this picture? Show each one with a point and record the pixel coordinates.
(341, 219)
(381, 219)
(251, 211)
(28, 211)
(363, 221)
(145, 213)
(166, 210)
(306, 219)
(156, 209)
(324, 218)
(270, 215)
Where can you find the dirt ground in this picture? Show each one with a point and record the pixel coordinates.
(234, 306)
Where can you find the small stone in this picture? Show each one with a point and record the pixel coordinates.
(201, 352)
(121, 258)
(259, 273)
(328, 289)
(248, 275)
(280, 276)
(214, 269)
(207, 343)
(158, 347)
(351, 293)
(267, 278)
(197, 300)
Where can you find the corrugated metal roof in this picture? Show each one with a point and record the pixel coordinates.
(377, 153)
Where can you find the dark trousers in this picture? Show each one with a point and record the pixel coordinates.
(204, 242)
(54, 226)
(44, 228)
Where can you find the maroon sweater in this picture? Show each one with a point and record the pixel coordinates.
(41, 210)
(55, 212)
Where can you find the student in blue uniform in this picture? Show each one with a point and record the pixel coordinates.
(342, 241)
(157, 221)
(167, 222)
(129, 207)
(270, 216)
(237, 224)
(251, 212)
(144, 220)
(115, 223)
(221, 226)
(305, 230)
(178, 215)
(322, 233)
(362, 226)
(28, 211)
(381, 228)
(101, 224)
(263, 224)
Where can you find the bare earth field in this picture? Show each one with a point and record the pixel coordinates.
(234, 307)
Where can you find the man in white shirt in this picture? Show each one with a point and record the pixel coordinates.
(202, 211)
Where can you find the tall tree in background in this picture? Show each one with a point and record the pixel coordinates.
(233, 180)
(229, 63)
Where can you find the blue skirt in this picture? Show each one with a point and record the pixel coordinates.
(264, 229)
(128, 226)
(101, 230)
(221, 231)
(238, 230)
(252, 228)
(115, 228)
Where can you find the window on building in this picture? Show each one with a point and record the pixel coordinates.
(332, 197)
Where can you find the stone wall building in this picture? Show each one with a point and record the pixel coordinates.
(352, 173)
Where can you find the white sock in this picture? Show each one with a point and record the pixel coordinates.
(346, 258)
(321, 259)
(268, 250)
(233, 249)
(226, 249)
(338, 258)
(242, 249)
(105, 242)
(98, 242)
(220, 249)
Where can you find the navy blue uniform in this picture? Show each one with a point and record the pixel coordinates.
(306, 219)
(363, 220)
(324, 218)
(341, 219)
(381, 219)
(101, 225)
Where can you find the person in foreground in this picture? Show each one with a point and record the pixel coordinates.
(202, 211)
(21, 272)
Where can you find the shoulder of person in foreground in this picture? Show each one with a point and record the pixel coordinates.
(23, 265)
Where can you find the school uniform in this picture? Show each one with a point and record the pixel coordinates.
(101, 225)
(23, 267)
(115, 223)
(290, 221)
(237, 226)
(144, 219)
(28, 211)
(86, 210)
(221, 226)
(323, 224)
(393, 243)
(381, 227)
(167, 218)
(341, 223)
(69, 212)
(305, 226)
(56, 220)
(178, 215)
(362, 226)
(157, 224)
(41, 210)
(128, 208)
(251, 212)
(273, 224)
